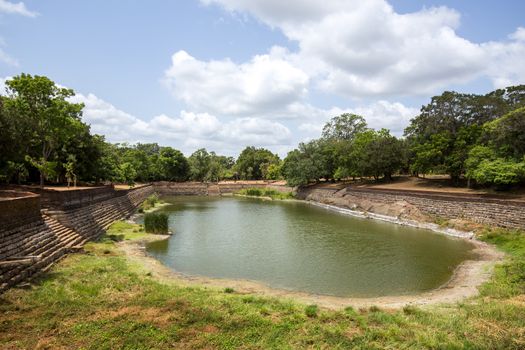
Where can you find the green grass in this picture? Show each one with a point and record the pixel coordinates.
(149, 203)
(100, 300)
(156, 223)
(264, 192)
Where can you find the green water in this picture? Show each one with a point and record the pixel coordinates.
(301, 247)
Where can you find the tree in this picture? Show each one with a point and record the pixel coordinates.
(507, 134)
(52, 119)
(253, 163)
(305, 164)
(127, 173)
(173, 165)
(457, 119)
(344, 127)
(199, 162)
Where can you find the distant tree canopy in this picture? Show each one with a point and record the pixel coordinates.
(254, 163)
(477, 137)
(442, 137)
(480, 137)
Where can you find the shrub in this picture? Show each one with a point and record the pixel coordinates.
(311, 310)
(156, 223)
(149, 203)
(254, 192)
(229, 290)
(263, 192)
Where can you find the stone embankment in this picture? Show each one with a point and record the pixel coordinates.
(38, 229)
(166, 188)
(422, 206)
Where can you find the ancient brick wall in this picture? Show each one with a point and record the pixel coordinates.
(503, 212)
(18, 208)
(31, 239)
(181, 188)
(202, 189)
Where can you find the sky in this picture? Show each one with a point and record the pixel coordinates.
(225, 74)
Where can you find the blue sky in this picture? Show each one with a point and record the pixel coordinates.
(223, 74)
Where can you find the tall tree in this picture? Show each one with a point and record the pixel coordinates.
(44, 106)
(253, 163)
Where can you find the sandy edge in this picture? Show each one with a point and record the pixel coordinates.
(463, 284)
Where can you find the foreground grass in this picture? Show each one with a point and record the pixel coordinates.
(98, 300)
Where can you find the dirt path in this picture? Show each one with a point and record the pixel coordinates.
(463, 284)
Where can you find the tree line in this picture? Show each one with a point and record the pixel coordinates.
(480, 138)
(43, 139)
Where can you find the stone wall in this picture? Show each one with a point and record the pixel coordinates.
(18, 208)
(35, 237)
(423, 206)
(204, 189)
(181, 188)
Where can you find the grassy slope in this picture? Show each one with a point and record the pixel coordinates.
(98, 300)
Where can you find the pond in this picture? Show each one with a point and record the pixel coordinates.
(301, 247)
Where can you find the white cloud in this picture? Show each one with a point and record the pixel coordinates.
(381, 114)
(106, 119)
(5, 58)
(364, 48)
(264, 85)
(187, 132)
(16, 8)
(507, 67)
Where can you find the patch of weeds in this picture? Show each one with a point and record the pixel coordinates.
(229, 290)
(410, 310)
(374, 308)
(156, 223)
(311, 311)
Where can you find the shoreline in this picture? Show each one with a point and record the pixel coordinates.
(464, 282)
(394, 220)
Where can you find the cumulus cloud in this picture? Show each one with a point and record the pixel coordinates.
(364, 48)
(106, 119)
(508, 57)
(266, 84)
(187, 132)
(16, 8)
(381, 114)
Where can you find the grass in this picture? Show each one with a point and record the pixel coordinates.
(156, 223)
(100, 300)
(149, 203)
(264, 192)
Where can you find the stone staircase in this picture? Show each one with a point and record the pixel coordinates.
(33, 248)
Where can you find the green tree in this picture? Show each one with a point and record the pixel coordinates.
(199, 162)
(173, 165)
(43, 106)
(253, 163)
(344, 127)
(305, 164)
(127, 173)
(380, 154)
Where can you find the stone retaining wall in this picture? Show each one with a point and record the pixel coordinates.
(31, 238)
(424, 205)
(203, 189)
(18, 208)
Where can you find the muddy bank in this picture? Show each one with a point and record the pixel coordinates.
(467, 277)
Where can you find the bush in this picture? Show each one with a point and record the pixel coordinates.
(254, 192)
(156, 223)
(263, 192)
(311, 310)
(149, 202)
